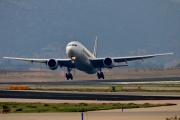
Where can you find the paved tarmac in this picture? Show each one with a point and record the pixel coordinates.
(86, 96)
(97, 82)
(91, 116)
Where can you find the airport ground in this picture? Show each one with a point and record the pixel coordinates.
(155, 113)
(156, 79)
(59, 75)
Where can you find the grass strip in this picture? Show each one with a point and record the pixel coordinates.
(14, 107)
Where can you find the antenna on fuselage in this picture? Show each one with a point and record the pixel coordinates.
(95, 47)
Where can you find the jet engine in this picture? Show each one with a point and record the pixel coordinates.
(108, 62)
(52, 64)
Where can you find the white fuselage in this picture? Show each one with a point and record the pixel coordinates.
(80, 55)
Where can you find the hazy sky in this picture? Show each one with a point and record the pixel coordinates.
(124, 27)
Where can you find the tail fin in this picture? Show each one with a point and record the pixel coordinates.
(95, 47)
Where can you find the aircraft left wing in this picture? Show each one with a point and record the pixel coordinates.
(61, 62)
(99, 62)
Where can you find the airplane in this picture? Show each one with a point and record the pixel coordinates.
(82, 59)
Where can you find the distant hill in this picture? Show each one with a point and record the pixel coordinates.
(43, 28)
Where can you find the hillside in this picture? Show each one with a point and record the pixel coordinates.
(43, 28)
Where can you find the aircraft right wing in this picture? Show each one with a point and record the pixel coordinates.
(60, 62)
(101, 62)
(28, 59)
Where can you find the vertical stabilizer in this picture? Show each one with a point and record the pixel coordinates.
(95, 47)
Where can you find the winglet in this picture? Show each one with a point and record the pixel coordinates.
(95, 47)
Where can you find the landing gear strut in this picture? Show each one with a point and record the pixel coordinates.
(100, 74)
(68, 74)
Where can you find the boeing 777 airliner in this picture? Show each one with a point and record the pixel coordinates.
(83, 60)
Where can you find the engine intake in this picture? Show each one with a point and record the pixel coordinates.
(52, 64)
(108, 62)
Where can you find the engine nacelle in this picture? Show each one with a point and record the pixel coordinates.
(52, 64)
(108, 62)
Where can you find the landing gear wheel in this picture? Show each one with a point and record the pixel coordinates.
(100, 75)
(69, 76)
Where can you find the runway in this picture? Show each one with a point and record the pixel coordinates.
(86, 96)
(89, 96)
(155, 113)
(97, 82)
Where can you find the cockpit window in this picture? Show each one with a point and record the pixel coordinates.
(72, 45)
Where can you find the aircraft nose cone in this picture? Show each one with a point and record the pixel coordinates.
(69, 51)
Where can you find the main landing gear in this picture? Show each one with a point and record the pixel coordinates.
(100, 74)
(68, 74)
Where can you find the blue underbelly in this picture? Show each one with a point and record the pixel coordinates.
(86, 68)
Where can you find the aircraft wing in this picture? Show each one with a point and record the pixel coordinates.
(98, 62)
(61, 62)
